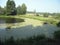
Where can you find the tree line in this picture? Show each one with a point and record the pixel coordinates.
(11, 9)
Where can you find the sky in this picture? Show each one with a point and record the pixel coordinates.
(52, 6)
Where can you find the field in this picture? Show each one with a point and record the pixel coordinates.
(35, 20)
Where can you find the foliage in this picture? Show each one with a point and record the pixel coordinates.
(58, 24)
(10, 41)
(35, 40)
(37, 14)
(21, 9)
(46, 14)
(57, 34)
(2, 11)
(10, 7)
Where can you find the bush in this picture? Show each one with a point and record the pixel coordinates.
(37, 38)
(34, 40)
(10, 41)
(57, 34)
(37, 14)
(58, 24)
(45, 22)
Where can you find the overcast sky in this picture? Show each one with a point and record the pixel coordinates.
(38, 5)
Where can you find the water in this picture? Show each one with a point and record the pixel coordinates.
(26, 31)
(5, 22)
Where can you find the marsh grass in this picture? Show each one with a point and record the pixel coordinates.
(34, 40)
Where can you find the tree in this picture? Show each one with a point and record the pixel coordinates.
(10, 6)
(34, 12)
(23, 9)
(5, 10)
(46, 14)
(19, 10)
(2, 12)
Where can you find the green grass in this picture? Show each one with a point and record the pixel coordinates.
(46, 19)
(40, 18)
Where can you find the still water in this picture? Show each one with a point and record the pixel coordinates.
(24, 31)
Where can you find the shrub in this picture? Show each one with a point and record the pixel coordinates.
(37, 14)
(58, 24)
(57, 34)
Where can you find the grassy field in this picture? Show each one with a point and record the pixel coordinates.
(46, 19)
(40, 18)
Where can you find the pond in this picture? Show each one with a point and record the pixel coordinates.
(25, 28)
(6, 22)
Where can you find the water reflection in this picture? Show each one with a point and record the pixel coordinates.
(28, 31)
(11, 20)
(8, 22)
(24, 31)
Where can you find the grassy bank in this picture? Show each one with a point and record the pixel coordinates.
(46, 19)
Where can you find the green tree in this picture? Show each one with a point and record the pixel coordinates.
(5, 10)
(19, 10)
(46, 14)
(2, 11)
(10, 6)
(23, 9)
